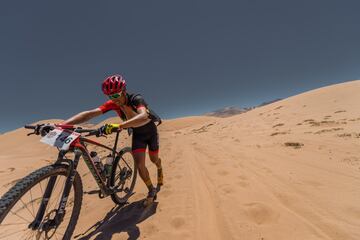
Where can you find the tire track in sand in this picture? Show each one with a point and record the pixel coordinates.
(206, 206)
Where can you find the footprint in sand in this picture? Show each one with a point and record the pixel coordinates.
(227, 190)
(242, 177)
(166, 193)
(223, 172)
(313, 183)
(150, 229)
(213, 163)
(177, 222)
(178, 176)
(267, 170)
(260, 213)
(351, 160)
(243, 184)
(354, 211)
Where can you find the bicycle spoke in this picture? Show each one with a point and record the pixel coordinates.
(20, 216)
(10, 234)
(11, 224)
(42, 192)
(67, 217)
(34, 234)
(27, 208)
(126, 163)
(29, 234)
(7, 235)
(59, 233)
(32, 203)
(117, 175)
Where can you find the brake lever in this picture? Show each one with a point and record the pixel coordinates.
(30, 133)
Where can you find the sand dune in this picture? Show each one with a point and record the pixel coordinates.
(287, 170)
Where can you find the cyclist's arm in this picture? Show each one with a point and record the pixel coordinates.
(141, 117)
(83, 116)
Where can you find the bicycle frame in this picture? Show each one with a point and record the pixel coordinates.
(80, 149)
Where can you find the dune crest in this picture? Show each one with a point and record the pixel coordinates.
(287, 170)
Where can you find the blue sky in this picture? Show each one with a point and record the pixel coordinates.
(185, 57)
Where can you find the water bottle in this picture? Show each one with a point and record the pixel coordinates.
(108, 165)
(98, 164)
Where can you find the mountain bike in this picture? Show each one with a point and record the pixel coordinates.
(46, 204)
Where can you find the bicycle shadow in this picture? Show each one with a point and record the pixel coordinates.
(120, 219)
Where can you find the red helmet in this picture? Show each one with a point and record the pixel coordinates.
(113, 84)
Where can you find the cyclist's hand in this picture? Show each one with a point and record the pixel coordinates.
(44, 129)
(109, 128)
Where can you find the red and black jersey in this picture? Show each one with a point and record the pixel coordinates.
(135, 101)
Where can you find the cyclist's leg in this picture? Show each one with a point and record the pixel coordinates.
(138, 150)
(154, 154)
(154, 157)
(154, 150)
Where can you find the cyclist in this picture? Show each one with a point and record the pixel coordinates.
(135, 113)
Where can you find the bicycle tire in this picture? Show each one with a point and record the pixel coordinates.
(10, 198)
(122, 200)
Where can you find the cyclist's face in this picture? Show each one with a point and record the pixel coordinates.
(118, 98)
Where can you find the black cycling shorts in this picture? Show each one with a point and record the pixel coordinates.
(144, 136)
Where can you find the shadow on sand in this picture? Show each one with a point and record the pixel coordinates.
(118, 220)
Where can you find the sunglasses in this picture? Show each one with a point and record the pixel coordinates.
(114, 96)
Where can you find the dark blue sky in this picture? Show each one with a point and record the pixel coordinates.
(185, 57)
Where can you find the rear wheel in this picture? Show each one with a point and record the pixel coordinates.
(123, 176)
(19, 206)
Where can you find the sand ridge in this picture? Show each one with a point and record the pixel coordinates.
(287, 170)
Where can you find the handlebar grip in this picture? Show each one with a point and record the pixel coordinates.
(29, 127)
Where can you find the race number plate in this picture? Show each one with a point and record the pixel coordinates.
(60, 138)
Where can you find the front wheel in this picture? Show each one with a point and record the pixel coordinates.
(123, 176)
(20, 205)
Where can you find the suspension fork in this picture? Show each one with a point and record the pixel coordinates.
(50, 186)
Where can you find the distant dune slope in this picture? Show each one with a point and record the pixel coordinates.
(287, 170)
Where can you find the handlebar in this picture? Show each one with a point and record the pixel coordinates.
(39, 129)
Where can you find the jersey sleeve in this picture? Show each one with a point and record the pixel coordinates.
(107, 106)
(138, 101)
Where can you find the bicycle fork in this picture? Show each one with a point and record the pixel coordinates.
(60, 211)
